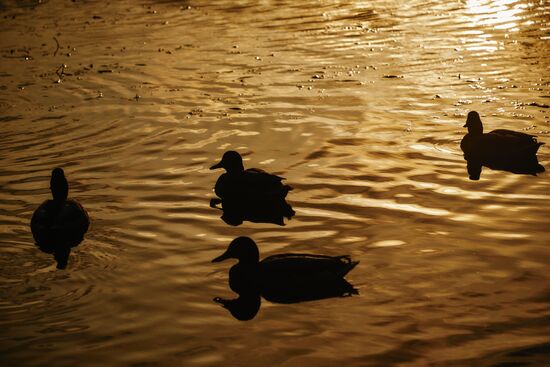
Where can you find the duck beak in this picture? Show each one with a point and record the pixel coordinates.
(217, 165)
(222, 257)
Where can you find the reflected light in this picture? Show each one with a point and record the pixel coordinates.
(392, 205)
(501, 14)
(503, 235)
(494, 15)
(388, 243)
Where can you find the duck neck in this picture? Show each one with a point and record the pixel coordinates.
(474, 124)
(59, 187)
(475, 129)
(249, 264)
(60, 194)
(235, 168)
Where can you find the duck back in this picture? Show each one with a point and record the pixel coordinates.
(251, 183)
(292, 278)
(515, 142)
(306, 266)
(59, 223)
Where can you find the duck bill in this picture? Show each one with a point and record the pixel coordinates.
(222, 257)
(217, 165)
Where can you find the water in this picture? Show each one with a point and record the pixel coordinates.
(360, 105)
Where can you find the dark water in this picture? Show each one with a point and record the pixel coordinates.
(360, 105)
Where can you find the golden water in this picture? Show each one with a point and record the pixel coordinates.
(359, 104)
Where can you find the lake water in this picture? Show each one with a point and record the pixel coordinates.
(358, 104)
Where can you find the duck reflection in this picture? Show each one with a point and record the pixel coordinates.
(243, 308)
(59, 224)
(285, 278)
(250, 194)
(265, 210)
(499, 149)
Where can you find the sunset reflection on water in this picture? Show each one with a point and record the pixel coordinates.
(360, 106)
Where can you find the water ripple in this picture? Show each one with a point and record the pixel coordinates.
(359, 105)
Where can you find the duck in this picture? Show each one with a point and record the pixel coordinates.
(497, 145)
(59, 223)
(286, 278)
(252, 184)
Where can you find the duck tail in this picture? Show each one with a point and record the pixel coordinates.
(286, 189)
(351, 266)
(537, 146)
(288, 212)
(347, 263)
(353, 291)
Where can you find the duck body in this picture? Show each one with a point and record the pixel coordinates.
(251, 183)
(291, 278)
(499, 145)
(496, 146)
(287, 278)
(59, 223)
(239, 184)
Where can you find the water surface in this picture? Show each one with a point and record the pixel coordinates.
(360, 105)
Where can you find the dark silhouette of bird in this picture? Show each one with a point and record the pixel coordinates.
(239, 184)
(499, 149)
(284, 278)
(60, 223)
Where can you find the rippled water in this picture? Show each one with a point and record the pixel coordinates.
(360, 105)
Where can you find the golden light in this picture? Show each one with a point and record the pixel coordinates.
(500, 14)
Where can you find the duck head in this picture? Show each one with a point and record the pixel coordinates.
(59, 185)
(231, 162)
(242, 248)
(473, 123)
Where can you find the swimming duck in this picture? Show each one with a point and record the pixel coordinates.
(497, 145)
(499, 149)
(287, 278)
(60, 223)
(238, 184)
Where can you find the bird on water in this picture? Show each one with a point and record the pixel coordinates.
(284, 278)
(497, 144)
(238, 183)
(498, 149)
(59, 223)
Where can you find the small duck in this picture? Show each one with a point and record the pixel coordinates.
(60, 223)
(497, 145)
(238, 184)
(287, 278)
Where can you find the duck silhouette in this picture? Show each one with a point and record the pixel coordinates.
(246, 184)
(60, 223)
(284, 278)
(250, 194)
(499, 149)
